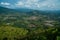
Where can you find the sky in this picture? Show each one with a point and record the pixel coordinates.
(32, 4)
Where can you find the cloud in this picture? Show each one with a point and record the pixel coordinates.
(30, 3)
(19, 3)
(39, 4)
(28, 6)
(35, 4)
(27, 3)
(5, 3)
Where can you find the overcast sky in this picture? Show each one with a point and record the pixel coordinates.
(33, 4)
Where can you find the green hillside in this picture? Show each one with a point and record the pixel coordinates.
(32, 25)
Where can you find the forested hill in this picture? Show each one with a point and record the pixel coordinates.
(29, 25)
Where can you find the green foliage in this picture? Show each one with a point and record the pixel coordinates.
(12, 32)
(58, 37)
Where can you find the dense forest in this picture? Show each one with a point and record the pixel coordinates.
(32, 25)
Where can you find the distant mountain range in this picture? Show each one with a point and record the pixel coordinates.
(25, 10)
(5, 10)
(30, 12)
(16, 10)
